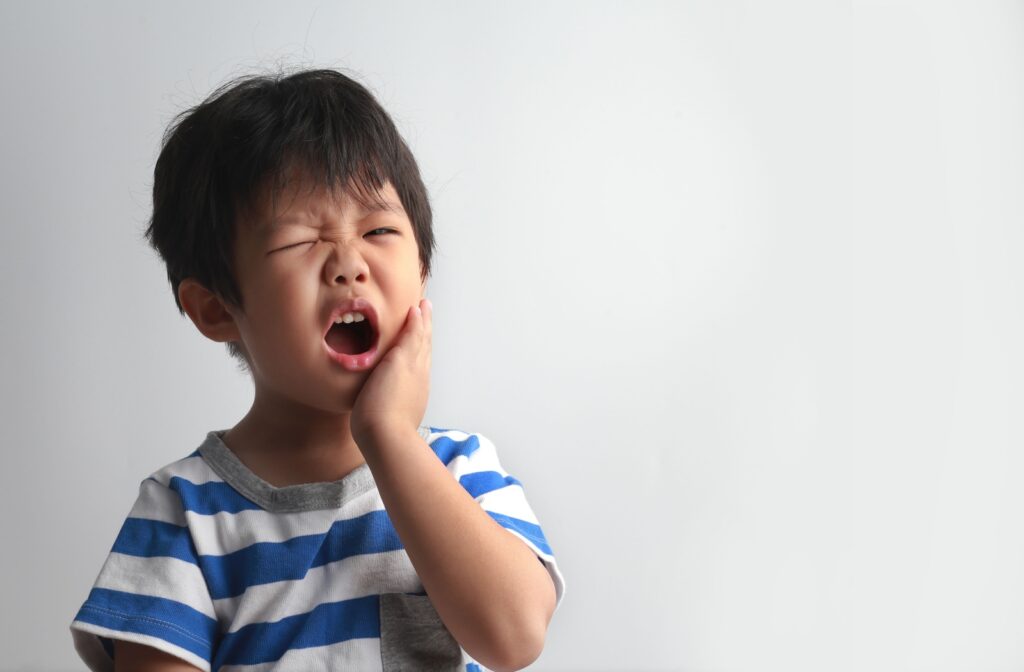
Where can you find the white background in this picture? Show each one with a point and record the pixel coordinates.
(734, 287)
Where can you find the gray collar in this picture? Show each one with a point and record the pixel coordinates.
(291, 498)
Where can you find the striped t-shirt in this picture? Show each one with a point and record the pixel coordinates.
(217, 567)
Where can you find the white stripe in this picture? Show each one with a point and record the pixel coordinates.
(156, 502)
(462, 465)
(484, 458)
(509, 501)
(453, 434)
(165, 577)
(222, 533)
(355, 576)
(193, 469)
(155, 642)
(353, 654)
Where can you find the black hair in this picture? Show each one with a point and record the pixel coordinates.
(219, 157)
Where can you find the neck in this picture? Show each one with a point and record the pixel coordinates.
(285, 443)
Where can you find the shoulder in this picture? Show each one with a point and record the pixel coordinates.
(455, 446)
(179, 486)
(192, 467)
(471, 458)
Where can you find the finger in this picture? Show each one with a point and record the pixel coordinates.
(417, 319)
(411, 326)
(412, 331)
(428, 318)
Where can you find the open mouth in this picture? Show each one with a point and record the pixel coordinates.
(351, 338)
(351, 334)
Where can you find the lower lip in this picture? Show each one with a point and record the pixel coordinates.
(364, 361)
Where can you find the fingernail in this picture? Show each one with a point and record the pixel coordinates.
(429, 304)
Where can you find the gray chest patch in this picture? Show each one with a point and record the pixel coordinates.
(412, 636)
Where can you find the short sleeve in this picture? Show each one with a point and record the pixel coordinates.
(150, 590)
(473, 460)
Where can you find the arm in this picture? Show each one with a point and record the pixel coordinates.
(132, 657)
(488, 587)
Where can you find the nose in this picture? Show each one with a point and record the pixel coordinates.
(345, 266)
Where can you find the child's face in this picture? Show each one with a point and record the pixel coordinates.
(296, 265)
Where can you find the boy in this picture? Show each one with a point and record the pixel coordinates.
(327, 529)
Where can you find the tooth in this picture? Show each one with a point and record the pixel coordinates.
(348, 318)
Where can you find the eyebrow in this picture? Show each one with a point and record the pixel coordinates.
(364, 208)
(379, 206)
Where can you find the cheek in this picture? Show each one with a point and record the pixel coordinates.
(276, 304)
(283, 288)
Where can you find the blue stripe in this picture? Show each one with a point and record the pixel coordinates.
(168, 620)
(210, 498)
(266, 562)
(447, 449)
(528, 530)
(482, 482)
(153, 538)
(326, 624)
(472, 667)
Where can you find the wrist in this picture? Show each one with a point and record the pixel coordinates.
(374, 440)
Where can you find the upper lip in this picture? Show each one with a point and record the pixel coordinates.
(353, 305)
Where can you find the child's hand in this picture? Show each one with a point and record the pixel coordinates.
(394, 397)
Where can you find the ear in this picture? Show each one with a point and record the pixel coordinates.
(207, 312)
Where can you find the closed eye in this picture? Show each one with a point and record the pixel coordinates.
(314, 242)
(287, 247)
